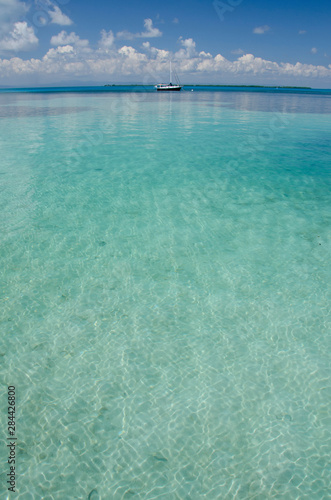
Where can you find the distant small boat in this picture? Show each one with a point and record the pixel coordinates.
(169, 86)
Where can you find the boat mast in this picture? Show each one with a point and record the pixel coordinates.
(170, 73)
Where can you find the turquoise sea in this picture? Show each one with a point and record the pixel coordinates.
(165, 293)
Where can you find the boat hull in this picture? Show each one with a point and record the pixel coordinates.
(169, 89)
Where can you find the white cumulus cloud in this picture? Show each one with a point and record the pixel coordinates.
(22, 37)
(58, 17)
(238, 52)
(188, 51)
(53, 53)
(63, 38)
(260, 30)
(150, 32)
(11, 11)
(157, 53)
(107, 40)
(71, 59)
(314, 50)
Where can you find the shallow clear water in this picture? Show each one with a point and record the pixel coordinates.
(165, 304)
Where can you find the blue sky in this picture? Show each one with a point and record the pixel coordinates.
(219, 41)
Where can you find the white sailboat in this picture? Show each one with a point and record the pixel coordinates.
(169, 86)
